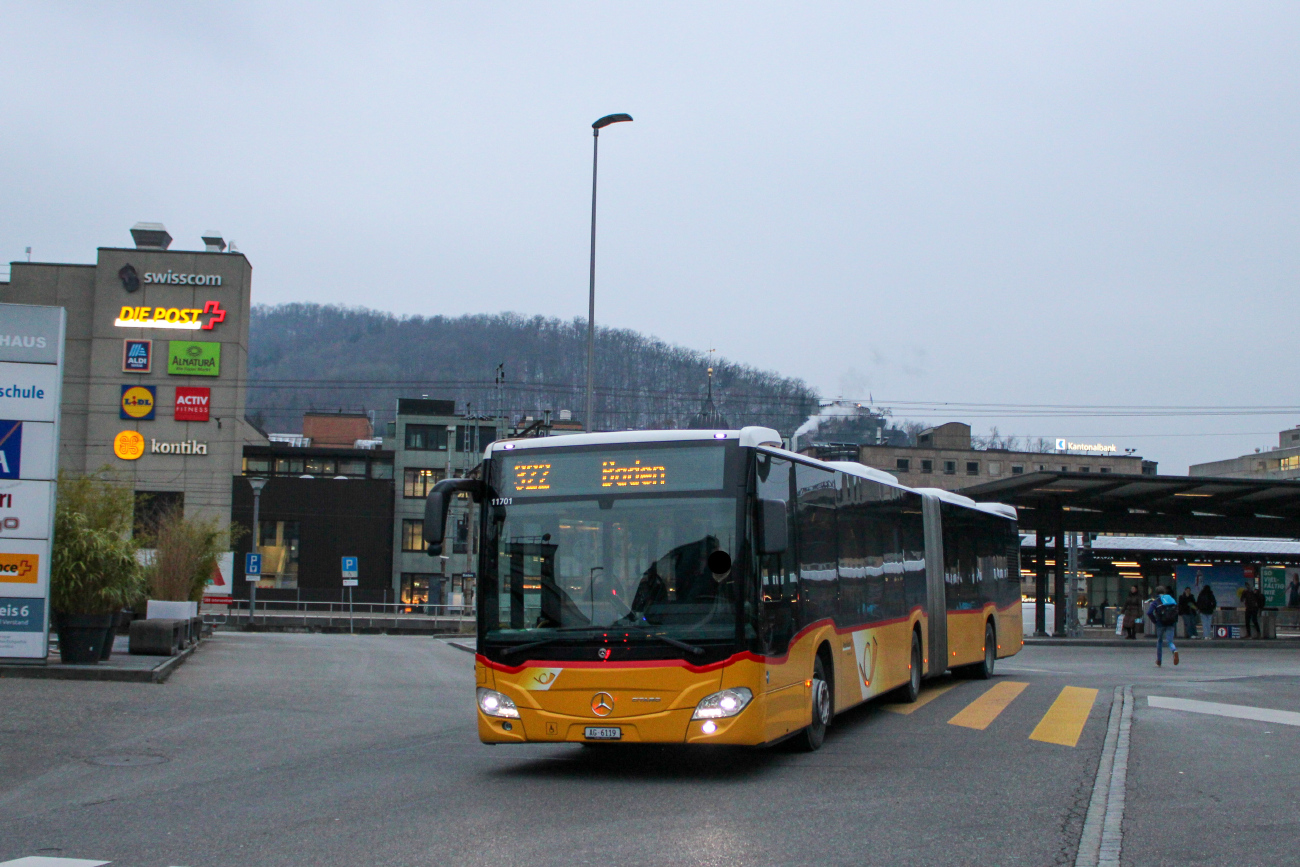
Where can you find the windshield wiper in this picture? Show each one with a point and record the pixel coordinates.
(680, 645)
(520, 648)
(672, 642)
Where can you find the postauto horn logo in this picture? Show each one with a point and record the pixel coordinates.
(138, 402)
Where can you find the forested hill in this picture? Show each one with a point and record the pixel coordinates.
(310, 356)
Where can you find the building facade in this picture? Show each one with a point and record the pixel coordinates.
(431, 443)
(320, 504)
(1280, 462)
(156, 366)
(945, 457)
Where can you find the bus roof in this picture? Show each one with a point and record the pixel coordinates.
(752, 436)
(748, 436)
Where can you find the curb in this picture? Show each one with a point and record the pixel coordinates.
(158, 674)
(1148, 643)
(460, 646)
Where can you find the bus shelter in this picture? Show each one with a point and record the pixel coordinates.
(1052, 504)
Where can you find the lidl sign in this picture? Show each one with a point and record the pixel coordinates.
(193, 358)
(138, 402)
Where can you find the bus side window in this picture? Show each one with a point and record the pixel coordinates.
(816, 492)
(777, 584)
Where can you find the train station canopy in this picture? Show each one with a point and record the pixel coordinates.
(1148, 505)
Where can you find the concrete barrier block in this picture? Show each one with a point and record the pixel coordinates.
(156, 637)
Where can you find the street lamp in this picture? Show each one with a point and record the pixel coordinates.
(591, 293)
(257, 485)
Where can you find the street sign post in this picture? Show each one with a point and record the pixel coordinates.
(252, 567)
(351, 565)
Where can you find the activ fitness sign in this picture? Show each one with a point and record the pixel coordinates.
(193, 358)
(185, 318)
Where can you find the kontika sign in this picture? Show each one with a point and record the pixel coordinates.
(186, 447)
(192, 403)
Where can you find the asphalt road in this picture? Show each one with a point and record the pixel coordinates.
(342, 750)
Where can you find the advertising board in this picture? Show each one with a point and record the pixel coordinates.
(1225, 579)
(138, 402)
(192, 403)
(1281, 586)
(193, 358)
(137, 356)
(31, 381)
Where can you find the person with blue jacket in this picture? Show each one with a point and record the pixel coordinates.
(1163, 611)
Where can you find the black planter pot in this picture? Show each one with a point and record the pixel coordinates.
(107, 650)
(81, 637)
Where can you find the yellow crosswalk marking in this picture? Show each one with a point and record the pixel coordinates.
(927, 695)
(983, 710)
(1064, 720)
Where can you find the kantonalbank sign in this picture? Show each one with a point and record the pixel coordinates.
(1064, 445)
(186, 318)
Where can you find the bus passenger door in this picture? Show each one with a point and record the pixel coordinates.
(778, 587)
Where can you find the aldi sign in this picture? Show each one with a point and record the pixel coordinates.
(192, 403)
(137, 356)
(193, 358)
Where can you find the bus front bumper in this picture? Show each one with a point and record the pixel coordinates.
(667, 727)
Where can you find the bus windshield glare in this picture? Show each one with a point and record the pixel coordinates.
(600, 542)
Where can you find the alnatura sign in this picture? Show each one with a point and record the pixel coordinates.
(193, 358)
(183, 318)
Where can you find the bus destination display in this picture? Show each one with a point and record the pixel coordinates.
(692, 468)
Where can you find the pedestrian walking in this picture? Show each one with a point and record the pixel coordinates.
(1293, 592)
(1187, 611)
(1205, 606)
(1163, 612)
(1132, 612)
(1253, 600)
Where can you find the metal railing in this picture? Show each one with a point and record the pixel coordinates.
(391, 609)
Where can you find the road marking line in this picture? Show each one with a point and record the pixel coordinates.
(1064, 720)
(47, 861)
(983, 710)
(1236, 711)
(927, 695)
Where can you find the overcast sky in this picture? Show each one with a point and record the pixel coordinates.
(1092, 204)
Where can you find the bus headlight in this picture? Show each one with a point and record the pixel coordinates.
(727, 703)
(494, 703)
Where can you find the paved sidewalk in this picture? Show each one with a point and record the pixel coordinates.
(122, 666)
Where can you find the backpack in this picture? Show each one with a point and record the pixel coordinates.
(1166, 613)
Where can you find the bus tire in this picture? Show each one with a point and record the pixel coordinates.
(813, 736)
(911, 691)
(984, 670)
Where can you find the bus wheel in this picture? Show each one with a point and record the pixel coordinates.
(984, 670)
(912, 689)
(815, 733)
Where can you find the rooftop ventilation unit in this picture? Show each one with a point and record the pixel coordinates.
(213, 242)
(151, 236)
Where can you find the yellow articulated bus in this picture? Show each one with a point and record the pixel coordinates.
(709, 587)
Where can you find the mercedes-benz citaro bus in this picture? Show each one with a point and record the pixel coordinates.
(710, 587)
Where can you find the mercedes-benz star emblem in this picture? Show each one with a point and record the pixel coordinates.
(602, 704)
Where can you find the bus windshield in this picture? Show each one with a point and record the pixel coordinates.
(631, 563)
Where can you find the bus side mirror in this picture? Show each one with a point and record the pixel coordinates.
(436, 506)
(771, 525)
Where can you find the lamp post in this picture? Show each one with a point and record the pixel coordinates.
(257, 485)
(591, 291)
